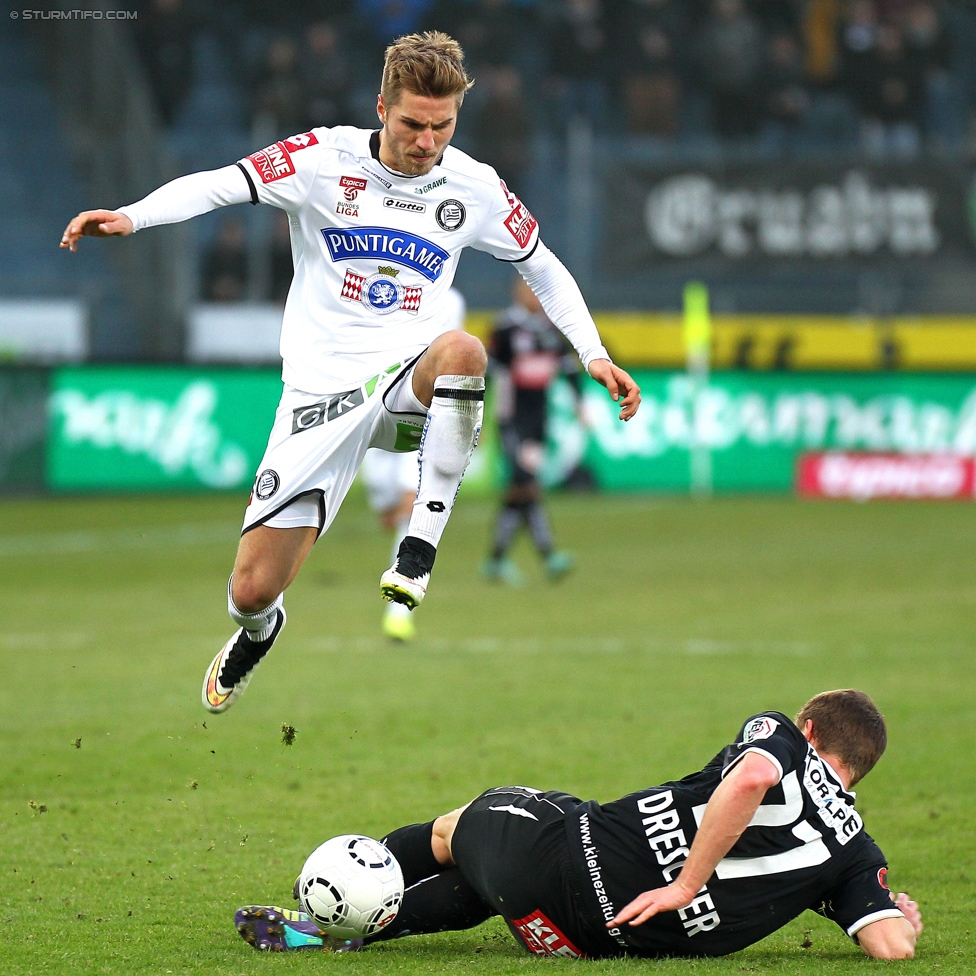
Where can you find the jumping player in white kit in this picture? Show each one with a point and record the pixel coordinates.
(378, 220)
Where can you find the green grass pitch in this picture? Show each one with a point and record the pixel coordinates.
(132, 824)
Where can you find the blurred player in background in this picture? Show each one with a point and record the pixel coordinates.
(391, 487)
(701, 866)
(378, 221)
(526, 352)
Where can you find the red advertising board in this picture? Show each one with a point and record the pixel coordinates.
(862, 476)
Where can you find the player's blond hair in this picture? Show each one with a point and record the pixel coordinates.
(848, 725)
(429, 64)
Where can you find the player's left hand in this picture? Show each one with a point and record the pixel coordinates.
(620, 385)
(650, 903)
(910, 910)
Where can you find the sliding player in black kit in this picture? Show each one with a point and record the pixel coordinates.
(702, 866)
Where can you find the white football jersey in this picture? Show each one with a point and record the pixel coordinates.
(375, 252)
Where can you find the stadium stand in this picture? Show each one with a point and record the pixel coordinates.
(39, 186)
(566, 89)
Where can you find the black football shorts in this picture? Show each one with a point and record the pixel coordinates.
(512, 847)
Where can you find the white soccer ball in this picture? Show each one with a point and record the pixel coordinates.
(352, 886)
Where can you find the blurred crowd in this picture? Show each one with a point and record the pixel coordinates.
(891, 78)
(902, 70)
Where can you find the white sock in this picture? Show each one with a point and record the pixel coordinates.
(450, 435)
(399, 531)
(260, 624)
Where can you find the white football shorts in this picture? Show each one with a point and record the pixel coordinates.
(387, 477)
(317, 445)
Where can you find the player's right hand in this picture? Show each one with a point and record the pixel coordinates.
(95, 223)
(650, 903)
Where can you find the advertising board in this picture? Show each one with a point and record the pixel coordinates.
(755, 426)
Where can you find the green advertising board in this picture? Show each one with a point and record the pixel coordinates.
(23, 427)
(754, 426)
(170, 428)
(158, 428)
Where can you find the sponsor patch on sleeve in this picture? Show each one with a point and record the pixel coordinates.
(521, 223)
(273, 163)
(759, 728)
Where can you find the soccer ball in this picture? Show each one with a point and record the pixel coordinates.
(351, 886)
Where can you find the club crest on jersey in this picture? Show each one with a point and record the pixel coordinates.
(759, 728)
(380, 292)
(450, 214)
(273, 163)
(417, 253)
(266, 484)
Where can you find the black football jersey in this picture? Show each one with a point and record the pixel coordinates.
(806, 847)
(532, 352)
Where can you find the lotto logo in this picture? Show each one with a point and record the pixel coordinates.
(521, 223)
(410, 205)
(273, 163)
(302, 141)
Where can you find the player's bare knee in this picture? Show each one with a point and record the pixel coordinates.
(461, 354)
(251, 592)
(443, 836)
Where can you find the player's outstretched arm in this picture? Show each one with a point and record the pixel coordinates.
(893, 938)
(726, 816)
(620, 385)
(180, 199)
(95, 223)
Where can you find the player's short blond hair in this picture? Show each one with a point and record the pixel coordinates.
(848, 725)
(429, 64)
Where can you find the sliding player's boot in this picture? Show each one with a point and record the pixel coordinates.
(273, 929)
(407, 579)
(231, 670)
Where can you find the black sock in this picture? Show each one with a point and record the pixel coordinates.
(538, 524)
(509, 521)
(443, 902)
(411, 847)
